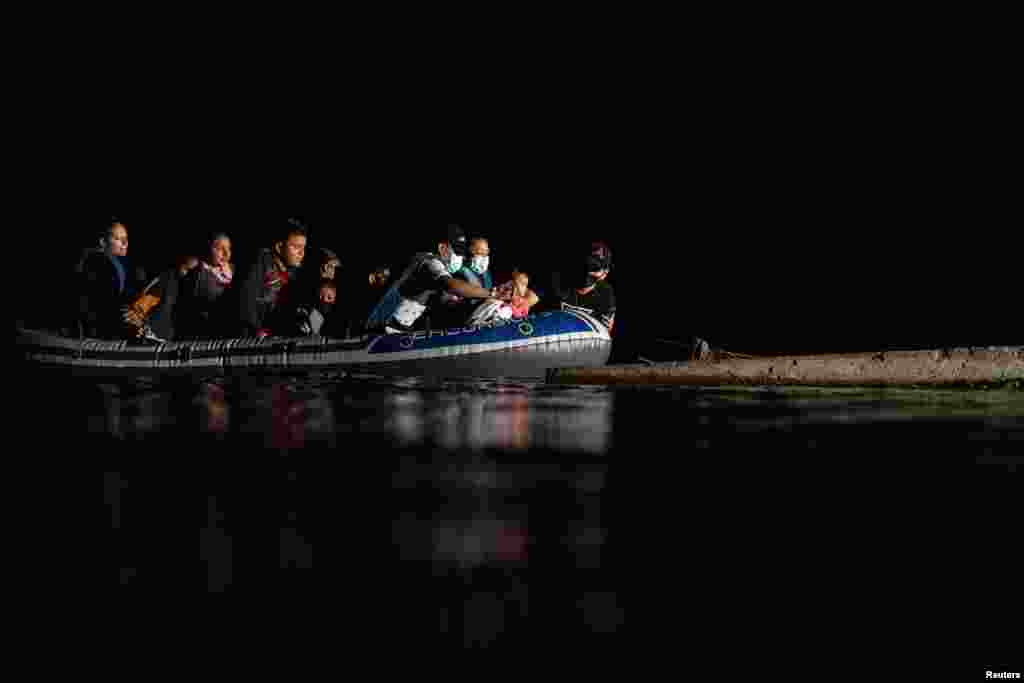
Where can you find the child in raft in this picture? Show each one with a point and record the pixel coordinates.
(514, 300)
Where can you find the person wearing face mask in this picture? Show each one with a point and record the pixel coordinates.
(419, 288)
(477, 271)
(591, 292)
(456, 309)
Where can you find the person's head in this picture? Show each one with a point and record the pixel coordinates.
(479, 255)
(114, 239)
(291, 248)
(521, 280)
(599, 262)
(219, 250)
(328, 291)
(329, 263)
(379, 276)
(454, 247)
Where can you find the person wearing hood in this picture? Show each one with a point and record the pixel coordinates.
(419, 288)
(265, 295)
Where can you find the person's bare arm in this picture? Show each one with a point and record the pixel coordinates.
(464, 289)
(531, 298)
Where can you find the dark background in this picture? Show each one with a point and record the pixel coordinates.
(769, 196)
(768, 181)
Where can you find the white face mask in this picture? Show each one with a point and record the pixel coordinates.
(454, 263)
(479, 264)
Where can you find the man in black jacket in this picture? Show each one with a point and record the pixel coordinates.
(589, 289)
(267, 295)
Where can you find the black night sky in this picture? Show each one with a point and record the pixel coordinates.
(764, 210)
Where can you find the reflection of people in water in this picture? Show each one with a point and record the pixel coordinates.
(215, 549)
(483, 540)
(473, 422)
(510, 421)
(288, 418)
(131, 409)
(214, 415)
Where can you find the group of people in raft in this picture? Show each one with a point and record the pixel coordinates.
(286, 294)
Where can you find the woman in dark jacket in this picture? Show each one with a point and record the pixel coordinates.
(106, 282)
(201, 306)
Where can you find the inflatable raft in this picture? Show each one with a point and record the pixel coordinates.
(519, 348)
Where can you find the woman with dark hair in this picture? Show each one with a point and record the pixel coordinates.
(105, 283)
(201, 310)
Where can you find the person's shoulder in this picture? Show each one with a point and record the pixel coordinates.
(326, 252)
(191, 276)
(92, 255)
(606, 295)
(91, 260)
(263, 258)
(254, 257)
(433, 265)
(252, 268)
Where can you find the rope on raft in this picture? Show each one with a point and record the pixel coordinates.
(711, 354)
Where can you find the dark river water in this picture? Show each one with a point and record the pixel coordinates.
(491, 510)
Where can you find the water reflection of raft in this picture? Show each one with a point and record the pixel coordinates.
(520, 348)
(999, 365)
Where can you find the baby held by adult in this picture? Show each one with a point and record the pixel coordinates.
(511, 301)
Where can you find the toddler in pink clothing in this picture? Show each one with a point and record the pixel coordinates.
(511, 300)
(514, 293)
